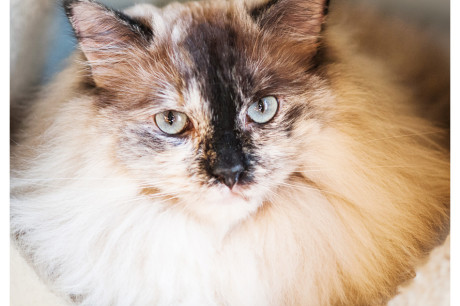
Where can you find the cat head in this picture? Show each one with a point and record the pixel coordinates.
(209, 102)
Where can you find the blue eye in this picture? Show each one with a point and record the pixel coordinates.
(171, 122)
(263, 110)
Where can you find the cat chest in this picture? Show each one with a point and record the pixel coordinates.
(184, 267)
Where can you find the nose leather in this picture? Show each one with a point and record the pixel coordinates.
(228, 173)
(228, 165)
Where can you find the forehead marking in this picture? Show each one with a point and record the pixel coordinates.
(212, 50)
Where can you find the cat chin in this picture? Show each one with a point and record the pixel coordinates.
(222, 207)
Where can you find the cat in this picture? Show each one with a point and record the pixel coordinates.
(287, 152)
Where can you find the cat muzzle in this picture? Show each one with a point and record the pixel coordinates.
(229, 163)
(228, 175)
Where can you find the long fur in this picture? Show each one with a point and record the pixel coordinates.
(359, 194)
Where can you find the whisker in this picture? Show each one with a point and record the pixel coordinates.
(308, 188)
(405, 135)
(320, 169)
(78, 179)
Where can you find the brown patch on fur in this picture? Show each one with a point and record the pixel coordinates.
(300, 19)
(150, 76)
(150, 191)
(105, 36)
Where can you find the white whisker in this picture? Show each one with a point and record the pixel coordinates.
(399, 136)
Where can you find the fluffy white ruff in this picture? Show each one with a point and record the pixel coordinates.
(99, 238)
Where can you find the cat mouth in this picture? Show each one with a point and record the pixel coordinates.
(236, 192)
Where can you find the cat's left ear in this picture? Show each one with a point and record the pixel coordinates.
(300, 20)
(105, 36)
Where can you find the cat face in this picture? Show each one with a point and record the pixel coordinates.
(208, 104)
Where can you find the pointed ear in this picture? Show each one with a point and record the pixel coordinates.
(105, 36)
(300, 20)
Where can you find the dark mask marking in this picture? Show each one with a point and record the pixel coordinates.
(218, 66)
(137, 24)
(212, 50)
(146, 137)
(259, 10)
(295, 114)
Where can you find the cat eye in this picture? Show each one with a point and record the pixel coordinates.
(171, 122)
(263, 110)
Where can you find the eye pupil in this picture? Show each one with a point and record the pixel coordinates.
(170, 118)
(261, 106)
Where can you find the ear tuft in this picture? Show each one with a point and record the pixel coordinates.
(92, 19)
(257, 12)
(105, 35)
(301, 20)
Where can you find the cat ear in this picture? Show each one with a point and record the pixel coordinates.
(105, 36)
(300, 20)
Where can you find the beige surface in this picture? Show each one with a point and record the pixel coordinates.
(431, 286)
(26, 289)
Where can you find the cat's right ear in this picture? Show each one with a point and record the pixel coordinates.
(299, 20)
(105, 36)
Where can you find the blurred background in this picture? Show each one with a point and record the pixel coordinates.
(41, 37)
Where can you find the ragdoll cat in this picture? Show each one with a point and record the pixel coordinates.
(234, 153)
